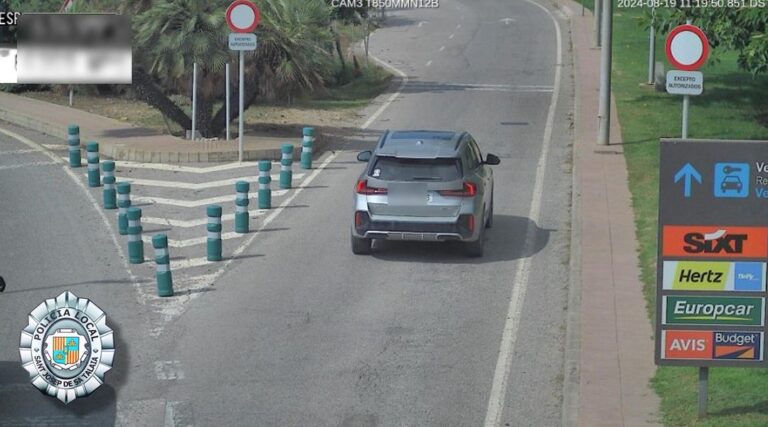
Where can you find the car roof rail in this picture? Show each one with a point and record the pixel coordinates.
(382, 139)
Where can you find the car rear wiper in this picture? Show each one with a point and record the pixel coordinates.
(426, 178)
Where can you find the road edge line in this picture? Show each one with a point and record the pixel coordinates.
(498, 393)
(38, 147)
(393, 97)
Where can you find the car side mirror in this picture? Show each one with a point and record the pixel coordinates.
(492, 159)
(364, 156)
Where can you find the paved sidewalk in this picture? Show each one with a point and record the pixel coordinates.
(124, 141)
(616, 347)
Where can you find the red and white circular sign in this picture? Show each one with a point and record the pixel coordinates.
(687, 47)
(243, 16)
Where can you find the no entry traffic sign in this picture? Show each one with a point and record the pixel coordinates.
(243, 16)
(687, 47)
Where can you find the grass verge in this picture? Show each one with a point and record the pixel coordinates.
(730, 108)
(334, 105)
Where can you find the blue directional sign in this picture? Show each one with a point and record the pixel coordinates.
(687, 173)
(731, 180)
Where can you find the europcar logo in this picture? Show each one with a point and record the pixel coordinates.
(715, 241)
(710, 310)
(67, 347)
(743, 276)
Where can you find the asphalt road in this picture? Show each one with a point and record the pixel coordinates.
(297, 330)
(309, 334)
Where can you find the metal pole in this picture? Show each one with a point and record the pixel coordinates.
(686, 100)
(194, 99)
(604, 108)
(703, 379)
(598, 14)
(228, 115)
(71, 95)
(652, 49)
(242, 103)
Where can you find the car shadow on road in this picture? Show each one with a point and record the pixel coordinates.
(22, 404)
(505, 241)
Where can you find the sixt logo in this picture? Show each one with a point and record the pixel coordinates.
(715, 241)
(712, 243)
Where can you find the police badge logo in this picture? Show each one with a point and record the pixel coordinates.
(67, 347)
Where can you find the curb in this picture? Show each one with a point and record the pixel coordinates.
(118, 151)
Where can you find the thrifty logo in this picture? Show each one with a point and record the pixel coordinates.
(715, 241)
(714, 276)
(706, 310)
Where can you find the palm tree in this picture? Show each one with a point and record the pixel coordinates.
(171, 35)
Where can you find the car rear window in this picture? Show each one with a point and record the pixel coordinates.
(397, 169)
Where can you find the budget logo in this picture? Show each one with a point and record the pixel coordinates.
(714, 275)
(706, 310)
(67, 347)
(686, 344)
(738, 345)
(715, 241)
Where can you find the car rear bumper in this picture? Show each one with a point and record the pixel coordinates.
(415, 231)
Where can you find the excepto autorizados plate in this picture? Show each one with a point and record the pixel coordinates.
(67, 347)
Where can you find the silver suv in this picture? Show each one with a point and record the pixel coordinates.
(424, 185)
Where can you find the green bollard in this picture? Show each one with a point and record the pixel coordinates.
(213, 245)
(73, 140)
(241, 207)
(265, 194)
(306, 148)
(163, 270)
(94, 177)
(286, 160)
(123, 203)
(135, 244)
(110, 195)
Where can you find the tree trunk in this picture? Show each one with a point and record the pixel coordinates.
(149, 92)
(219, 120)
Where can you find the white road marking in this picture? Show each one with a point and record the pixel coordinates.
(193, 241)
(451, 36)
(191, 169)
(442, 48)
(391, 99)
(428, 63)
(197, 203)
(458, 26)
(28, 165)
(28, 142)
(506, 21)
(189, 263)
(169, 370)
(520, 281)
(196, 222)
(422, 23)
(55, 146)
(11, 152)
(195, 186)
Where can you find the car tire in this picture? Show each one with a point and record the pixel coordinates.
(475, 249)
(361, 246)
(2, 284)
(489, 221)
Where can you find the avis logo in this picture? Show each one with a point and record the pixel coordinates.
(713, 243)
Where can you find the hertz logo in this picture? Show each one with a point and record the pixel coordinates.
(715, 241)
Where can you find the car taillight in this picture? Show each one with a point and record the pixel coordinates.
(469, 190)
(363, 188)
(362, 221)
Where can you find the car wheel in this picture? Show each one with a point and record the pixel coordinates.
(475, 249)
(2, 284)
(361, 246)
(489, 221)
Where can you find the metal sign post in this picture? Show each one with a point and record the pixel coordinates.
(194, 100)
(242, 18)
(226, 70)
